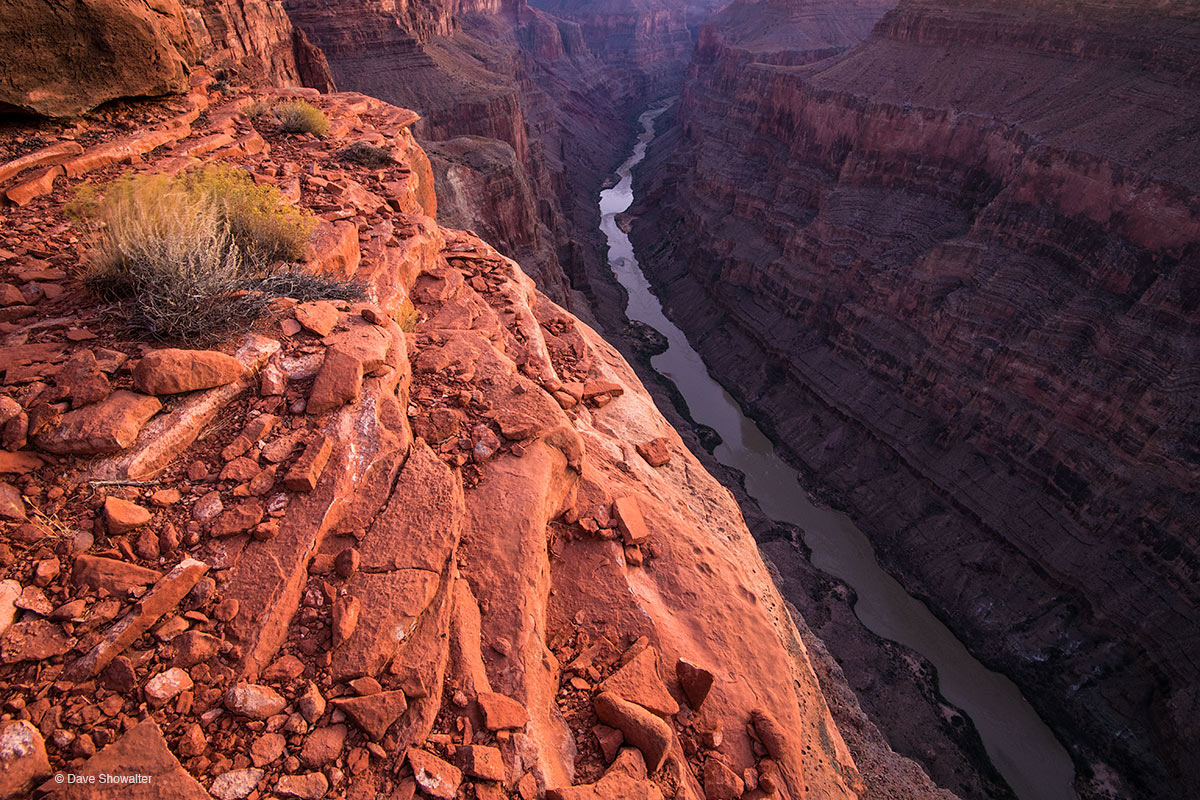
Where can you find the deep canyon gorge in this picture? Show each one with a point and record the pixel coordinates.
(916, 281)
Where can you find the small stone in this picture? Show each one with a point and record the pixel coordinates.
(323, 746)
(23, 761)
(208, 507)
(195, 647)
(146, 545)
(436, 777)
(45, 571)
(305, 473)
(320, 317)
(347, 561)
(345, 619)
(267, 748)
(696, 682)
(166, 497)
(251, 700)
(284, 668)
(165, 685)
(641, 728)
(610, 741)
(374, 713)
(720, 782)
(365, 686)
(235, 784)
(311, 786)
(238, 519)
(12, 505)
(121, 516)
(119, 676)
(171, 371)
(656, 452)
(193, 742)
(34, 640)
(311, 704)
(501, 712)
(227, 609)
(629, 517)
(481, 762)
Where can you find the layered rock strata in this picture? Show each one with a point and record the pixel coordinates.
(409, 543)
(555, 102)
(957, 286)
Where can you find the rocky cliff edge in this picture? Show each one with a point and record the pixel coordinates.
(437, 540)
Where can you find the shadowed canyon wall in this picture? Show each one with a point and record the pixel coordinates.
(953, 271)
(555, 97)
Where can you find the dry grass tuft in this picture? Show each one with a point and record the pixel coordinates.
(198, 256)
(367, 155)
(297, 116)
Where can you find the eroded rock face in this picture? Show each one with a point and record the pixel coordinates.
(255, 40)
(464, 552)
(969, 289)
(62, 59)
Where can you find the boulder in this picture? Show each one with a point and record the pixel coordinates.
(105, 427)
(61, 59)
(172, 371)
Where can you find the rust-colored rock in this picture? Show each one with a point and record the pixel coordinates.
(695, 681)
(501, 712)
(642, 729)
(61, 60)
(122, 516)
(141, 750)
(638, 681)
(305, 473)
(173, 371)
(374, 713)
(105, 427)
(111, 575)
(23, 762)
(435, 777)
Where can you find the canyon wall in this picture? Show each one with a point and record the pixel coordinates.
(435, 538)
(953, 272)
(254, 40)
(556, 110)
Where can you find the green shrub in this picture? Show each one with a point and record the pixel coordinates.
(367, 155)
(264, 226)
(199, 255)
(297, 116)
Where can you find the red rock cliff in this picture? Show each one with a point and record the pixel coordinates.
(964, 257)
(440, 539)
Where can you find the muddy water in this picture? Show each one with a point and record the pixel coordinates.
(1023, 749)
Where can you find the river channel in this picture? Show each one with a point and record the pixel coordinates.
(1019, 743)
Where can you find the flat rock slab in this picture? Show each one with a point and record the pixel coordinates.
(172, 371)
(143, 763)
(23, 761)
(105, 427)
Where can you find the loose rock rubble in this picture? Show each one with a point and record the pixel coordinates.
(439, 540)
